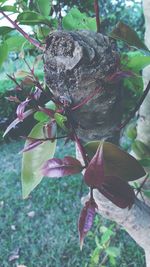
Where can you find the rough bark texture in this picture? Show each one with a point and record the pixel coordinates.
(76, 63)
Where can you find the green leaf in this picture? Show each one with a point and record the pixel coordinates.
(32, 18)
(43, 31)
(141, 150)
(95, 257)
(131, 131)
(41, 116)
(33, 160)
(8, 8)
(134, 84)
(15, 43)
(44, 7)
(61, 120)
(146, 193)
(117, 162)
(135, 61)
(3, 52)
(145, 162)
(51, 105)
(113, 251)
(124, 33)
(4, 30)
(106, 236)
(75, 20)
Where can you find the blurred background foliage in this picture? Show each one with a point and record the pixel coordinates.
(112, 11)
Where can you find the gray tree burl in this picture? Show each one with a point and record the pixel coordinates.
(76, 63)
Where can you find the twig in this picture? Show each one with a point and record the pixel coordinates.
(136, 107)
(15, 81)
(87, 99)
(59, 16)
(96, 8)
(44, 139)
(142, 184)
(16, 26)
(104, 260)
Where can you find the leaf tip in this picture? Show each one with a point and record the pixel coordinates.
(81, 243)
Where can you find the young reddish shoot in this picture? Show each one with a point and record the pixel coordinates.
(96, 8)
(86, 219)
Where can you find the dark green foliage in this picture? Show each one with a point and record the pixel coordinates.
(112, 12)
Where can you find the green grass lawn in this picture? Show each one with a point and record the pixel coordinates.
(42, 230)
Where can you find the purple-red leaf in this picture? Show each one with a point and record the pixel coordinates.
(16, 121)
(21, 109)
(61, 167)
(50, 129)
(37, 94)
(94, 174)
(86, 219)
(118, 191)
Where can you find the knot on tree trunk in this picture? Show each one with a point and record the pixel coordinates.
(76, 63)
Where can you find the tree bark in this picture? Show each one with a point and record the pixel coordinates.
(135, 221)
(76, 63)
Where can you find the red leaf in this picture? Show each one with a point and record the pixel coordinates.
(16, 121)
(50, 129)
(21, 109)
(86, 219)
(37, 94)
(61, 167)
(117, 191)
(94, 174)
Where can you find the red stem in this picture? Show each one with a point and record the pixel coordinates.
(31, 40)
(87, 99)
(136, 107)
(81, 148)
(15, 81)
(96, 8)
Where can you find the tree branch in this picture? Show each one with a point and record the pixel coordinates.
(16, 26)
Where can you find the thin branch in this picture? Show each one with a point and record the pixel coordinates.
(16, 26)
(87, 99)
(44, 139)
(136, 107)
(142, 184)
(96, 8)
(59, 16)
(15, 81)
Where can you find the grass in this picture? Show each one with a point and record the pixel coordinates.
(42, 230)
